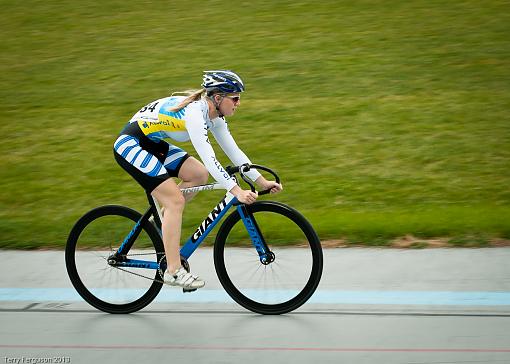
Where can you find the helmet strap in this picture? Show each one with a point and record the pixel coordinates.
(217, 104)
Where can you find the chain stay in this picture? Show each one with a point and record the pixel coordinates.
(184, 263)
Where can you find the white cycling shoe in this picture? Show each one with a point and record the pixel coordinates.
(183, 279)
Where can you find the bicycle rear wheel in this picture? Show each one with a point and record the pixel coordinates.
(93, 239)
(282, 285)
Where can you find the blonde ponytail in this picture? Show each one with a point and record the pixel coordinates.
(193, 95)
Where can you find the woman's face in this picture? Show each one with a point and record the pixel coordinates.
(229, 104)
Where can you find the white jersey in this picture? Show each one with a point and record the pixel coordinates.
(193, 123)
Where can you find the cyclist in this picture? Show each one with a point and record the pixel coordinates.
(152, 162)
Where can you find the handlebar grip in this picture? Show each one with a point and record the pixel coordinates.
(232, 170)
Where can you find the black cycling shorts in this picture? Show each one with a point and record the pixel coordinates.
(148, 162)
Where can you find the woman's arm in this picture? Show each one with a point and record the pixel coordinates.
(197, 130)
(229, 146)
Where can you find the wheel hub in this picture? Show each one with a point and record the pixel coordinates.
(268, 259)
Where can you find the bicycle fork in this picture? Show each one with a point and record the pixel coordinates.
(265, 254)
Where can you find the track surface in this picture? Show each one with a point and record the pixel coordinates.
(373, 306)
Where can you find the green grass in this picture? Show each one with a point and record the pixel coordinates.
(384, 118)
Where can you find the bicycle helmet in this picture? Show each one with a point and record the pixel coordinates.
(222, 81)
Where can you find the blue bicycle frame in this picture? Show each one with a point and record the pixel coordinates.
(200, 233)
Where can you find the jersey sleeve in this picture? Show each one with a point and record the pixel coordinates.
(229, 146)
(197, 130)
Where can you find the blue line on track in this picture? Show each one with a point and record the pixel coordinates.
(435, 298)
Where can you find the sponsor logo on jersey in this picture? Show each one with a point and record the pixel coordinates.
(165, 123)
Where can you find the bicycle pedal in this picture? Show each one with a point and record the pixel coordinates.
(187, 290)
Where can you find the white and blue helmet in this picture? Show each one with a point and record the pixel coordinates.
(222, 81)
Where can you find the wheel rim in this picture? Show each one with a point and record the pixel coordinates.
(106, 287)
(281, 285)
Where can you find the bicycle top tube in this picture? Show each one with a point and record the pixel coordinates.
(200, 188)
(231, 171)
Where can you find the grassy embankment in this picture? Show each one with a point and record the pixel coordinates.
(384, 119)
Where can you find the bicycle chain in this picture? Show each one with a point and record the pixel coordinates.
(161, 273)
(139, 275)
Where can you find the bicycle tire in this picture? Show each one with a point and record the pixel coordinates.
(283, 214)
(77, 247)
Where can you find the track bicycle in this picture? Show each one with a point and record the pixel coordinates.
(267, 256)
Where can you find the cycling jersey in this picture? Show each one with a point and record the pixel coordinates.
(156, 122)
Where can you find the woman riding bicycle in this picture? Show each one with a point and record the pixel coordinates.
(153, 162)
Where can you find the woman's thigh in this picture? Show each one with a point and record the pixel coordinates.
(193, 171)
(169, 194)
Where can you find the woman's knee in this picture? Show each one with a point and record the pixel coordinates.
(192, 171)
(174, 202)
(169, 195)
(202, 175)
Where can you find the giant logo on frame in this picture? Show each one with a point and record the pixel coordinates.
(209, 220)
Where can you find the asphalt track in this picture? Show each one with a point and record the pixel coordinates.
(373, 306)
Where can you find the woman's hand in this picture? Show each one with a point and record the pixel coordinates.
(244, 196)
(264, 184)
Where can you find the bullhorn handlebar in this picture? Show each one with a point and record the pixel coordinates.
(247, 167)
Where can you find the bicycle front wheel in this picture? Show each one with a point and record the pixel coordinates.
(289, 280)
(93, 239)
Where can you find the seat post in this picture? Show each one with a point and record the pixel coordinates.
(158, 215)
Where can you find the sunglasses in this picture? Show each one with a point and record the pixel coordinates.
(234, 98)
